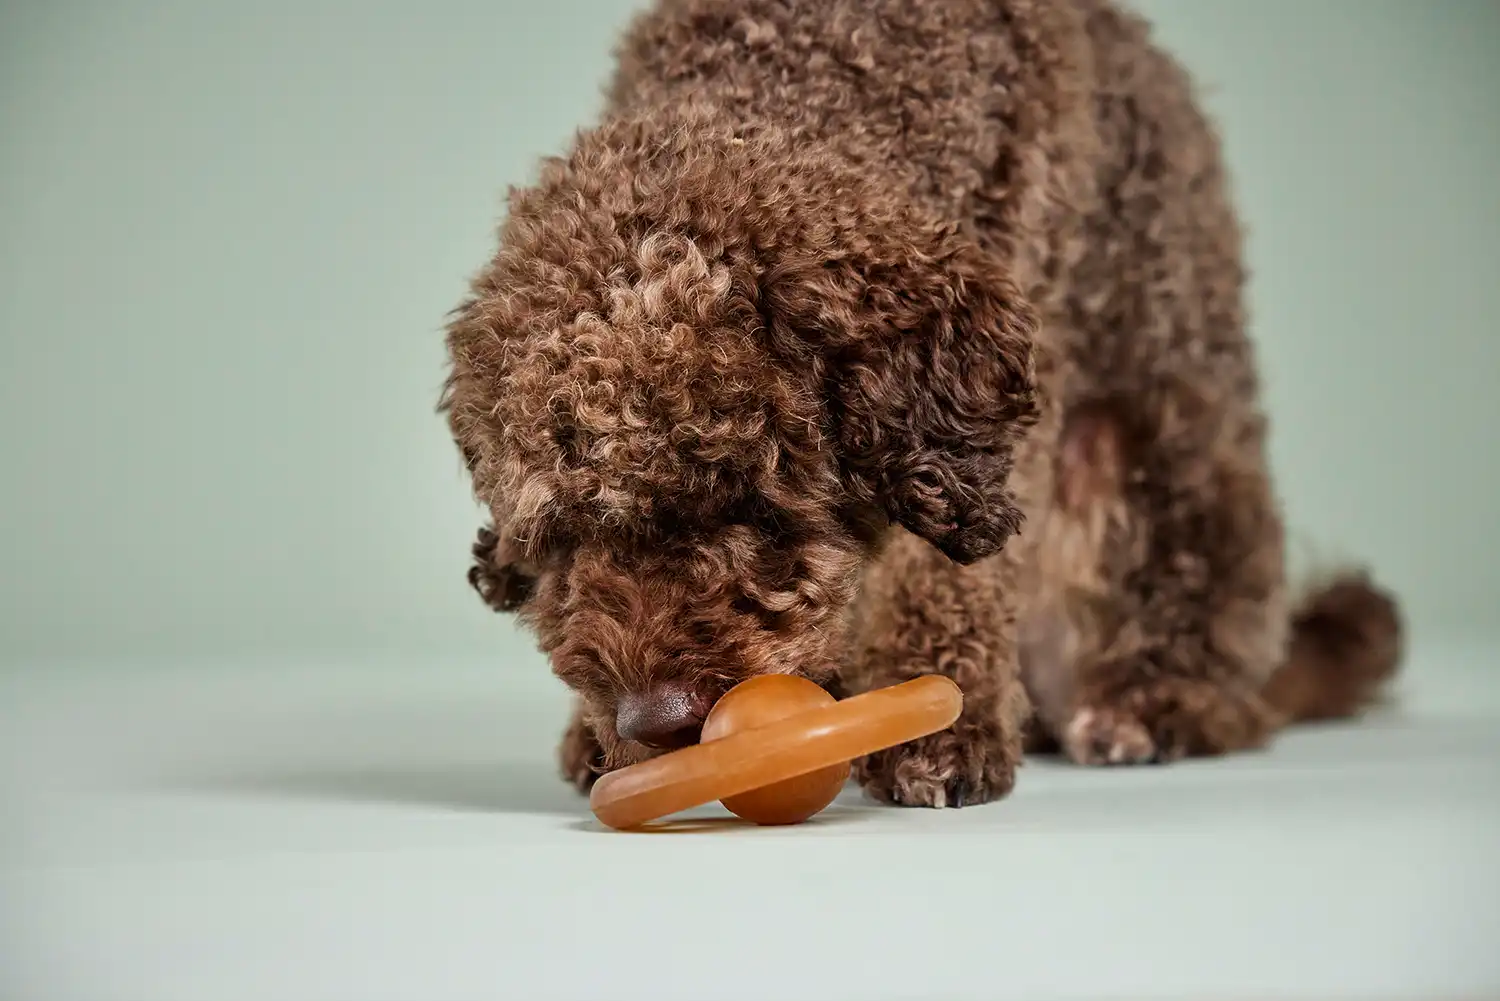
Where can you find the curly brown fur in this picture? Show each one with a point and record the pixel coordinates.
(1346, 644)
(872, 338)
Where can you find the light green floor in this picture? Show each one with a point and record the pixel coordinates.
(361, 833)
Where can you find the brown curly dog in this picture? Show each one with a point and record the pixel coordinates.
(872, 338)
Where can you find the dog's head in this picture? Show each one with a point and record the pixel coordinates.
(696, 385)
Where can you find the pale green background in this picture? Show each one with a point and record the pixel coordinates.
(229, 233)
(298, 759)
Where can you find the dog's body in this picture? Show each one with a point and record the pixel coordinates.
(873, 338)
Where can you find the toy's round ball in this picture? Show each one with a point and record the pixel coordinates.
(756, 702)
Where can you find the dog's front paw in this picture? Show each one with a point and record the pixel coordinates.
(943, 770)
(580, 758)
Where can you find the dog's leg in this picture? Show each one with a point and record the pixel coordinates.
(923, 614)
(579, 756)
(1197, 615)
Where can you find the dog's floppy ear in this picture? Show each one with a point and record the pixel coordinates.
(925, 344)
(498, 577)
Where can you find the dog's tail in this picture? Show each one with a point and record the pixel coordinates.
(1346, 644)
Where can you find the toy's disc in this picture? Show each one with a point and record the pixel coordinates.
(795, 745)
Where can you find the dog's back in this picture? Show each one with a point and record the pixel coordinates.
(1054, 129)
(980, 111)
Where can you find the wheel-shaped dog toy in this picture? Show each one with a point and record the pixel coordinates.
(775, 750)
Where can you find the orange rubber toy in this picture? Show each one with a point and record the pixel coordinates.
(775, 750)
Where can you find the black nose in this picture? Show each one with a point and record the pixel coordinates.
(666, 717)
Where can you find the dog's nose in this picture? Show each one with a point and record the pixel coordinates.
(666, 717)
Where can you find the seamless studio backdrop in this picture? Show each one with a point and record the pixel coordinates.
(259, 739)
(231, 232)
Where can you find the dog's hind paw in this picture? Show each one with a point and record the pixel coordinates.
(1099, 736)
